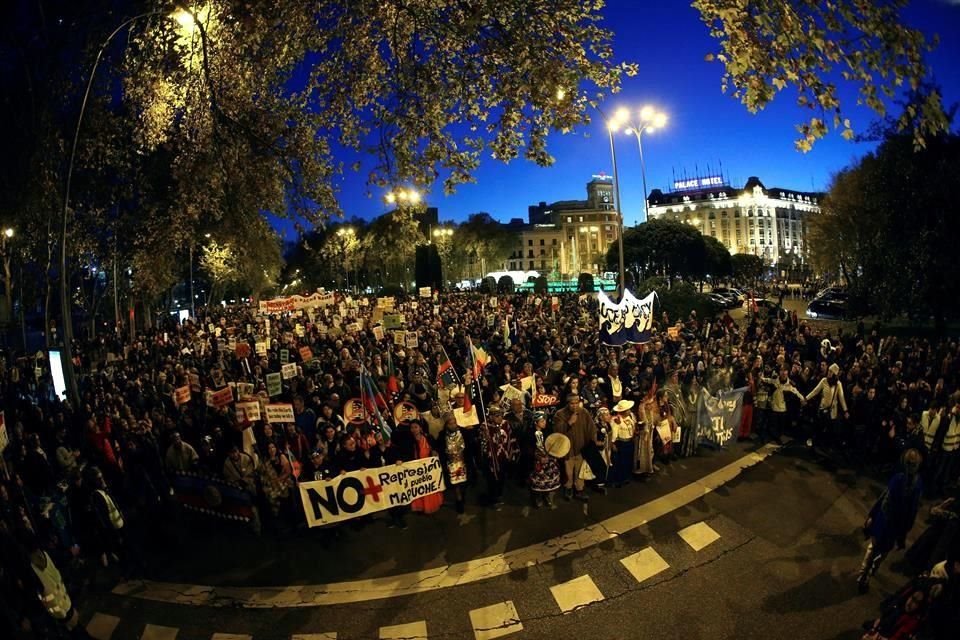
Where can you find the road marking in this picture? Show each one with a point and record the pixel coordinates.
(231, 636)
(102, 626)
(330, 635)
(495, 621)
(699, 535)
(447, 576)
(645, 564)
(408, 631)
(578, 592)
(157, 632)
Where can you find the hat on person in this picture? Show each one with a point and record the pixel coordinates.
(495, 409)
(539, 415)
(557, 445)
(623, 405)
(834, 369)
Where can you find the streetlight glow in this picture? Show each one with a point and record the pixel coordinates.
(660, 120)
(646, 113)
(185, 19)
(8, 232)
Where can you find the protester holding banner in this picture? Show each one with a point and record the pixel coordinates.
(424, 448)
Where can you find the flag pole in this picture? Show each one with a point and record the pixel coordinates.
(495, 467)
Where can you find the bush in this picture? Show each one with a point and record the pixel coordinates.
(585, 283)
(392, 290)
(505, 285)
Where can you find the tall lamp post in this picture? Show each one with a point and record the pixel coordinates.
(613, 125)
(403, 199)
(186, 18)
(346, 235)
(649, 119)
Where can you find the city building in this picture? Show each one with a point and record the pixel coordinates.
(566, 238)
(768, 222)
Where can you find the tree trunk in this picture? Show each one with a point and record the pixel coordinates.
(49, 293)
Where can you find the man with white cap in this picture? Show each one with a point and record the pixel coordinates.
(830, 390)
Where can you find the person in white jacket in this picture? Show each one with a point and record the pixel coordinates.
(832, 401)
(782, 385)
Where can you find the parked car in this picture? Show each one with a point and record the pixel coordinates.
(722, 301)
(820, 309)
(738, 295)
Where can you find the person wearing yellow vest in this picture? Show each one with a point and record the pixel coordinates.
(51, 589)
(109, 519)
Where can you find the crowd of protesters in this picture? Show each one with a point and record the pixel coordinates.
(88, 482)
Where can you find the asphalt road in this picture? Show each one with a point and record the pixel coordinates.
(772, 553)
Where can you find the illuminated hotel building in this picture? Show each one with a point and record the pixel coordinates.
(768, 222)
(568, 237)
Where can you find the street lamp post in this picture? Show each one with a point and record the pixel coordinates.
(650, 120)
(613, 125)
(183, 16)
(346, 235)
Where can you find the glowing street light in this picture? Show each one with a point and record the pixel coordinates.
(403, 196)
(442, 232)
(649, 120)
(8, 232)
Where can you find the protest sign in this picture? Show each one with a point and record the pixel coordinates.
(378, 333)
(249, 411)
(279, 413)
(398, 337)
(359, 493)
(244, 389)
(274, 384)
(289, 371)
(4, 437)
(410, 340)
(526, 383)
(545, 400)
(242, 349)
(386, 302)
(353, 410)
(181, 395)
(306, 354)
(292, 303)
(392, 320)
(353, 327)
(466, 418)
(425, 292)
(220, 398)
(284, 356)
(261, 348)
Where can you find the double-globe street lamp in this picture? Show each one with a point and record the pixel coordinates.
(187, 19)
(648, 120)
(346, 236)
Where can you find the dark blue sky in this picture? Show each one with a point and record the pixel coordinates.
(669, 42)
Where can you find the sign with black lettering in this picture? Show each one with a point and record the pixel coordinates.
(358, 493)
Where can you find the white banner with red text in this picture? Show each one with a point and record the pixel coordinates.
(359, 493)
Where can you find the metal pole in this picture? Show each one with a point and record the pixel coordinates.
(616, 198)
(65, 316)
(116, 299)
(643, 170)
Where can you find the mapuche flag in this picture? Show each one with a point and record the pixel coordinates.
(445, 374)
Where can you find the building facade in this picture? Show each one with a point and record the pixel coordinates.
(768, 222)
(568, 237)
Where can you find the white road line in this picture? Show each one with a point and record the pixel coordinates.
(699, 535)
(446, 576)
(495, 621)
(102, 626)
(157, 632)
(576, 593)
(645, 564)
(231, 636)
(408, 631)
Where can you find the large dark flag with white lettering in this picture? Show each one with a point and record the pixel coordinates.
(718, 417)
(627, 322)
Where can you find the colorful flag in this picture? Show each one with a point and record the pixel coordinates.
(393, 385)
(445, 374)
(478, 358)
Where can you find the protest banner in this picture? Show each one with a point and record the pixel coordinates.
(249, 411)
(293, 303)
(274, 384)
(718, 418)
(359, 493)
(425, 292)
(181, 395)
(306, 354)
(289, 370)
(279, 413)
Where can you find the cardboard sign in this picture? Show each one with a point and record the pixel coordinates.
(244, 389)
(411, 340)
(425, 292)
(306, 354)
(353, 327)
(545, 400)
(289, 371)
(261, 348)
(181, 395)
(353, 410)
(248, 411)
(392, 320)
(526, 383)
(284, 356)
(405, 412)
(242, 349)
(386, 303)
(274, 384)
(467, 419)
(398, 337)
(220, 398)
(493, 302)
(378, 332)
(279, 413)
